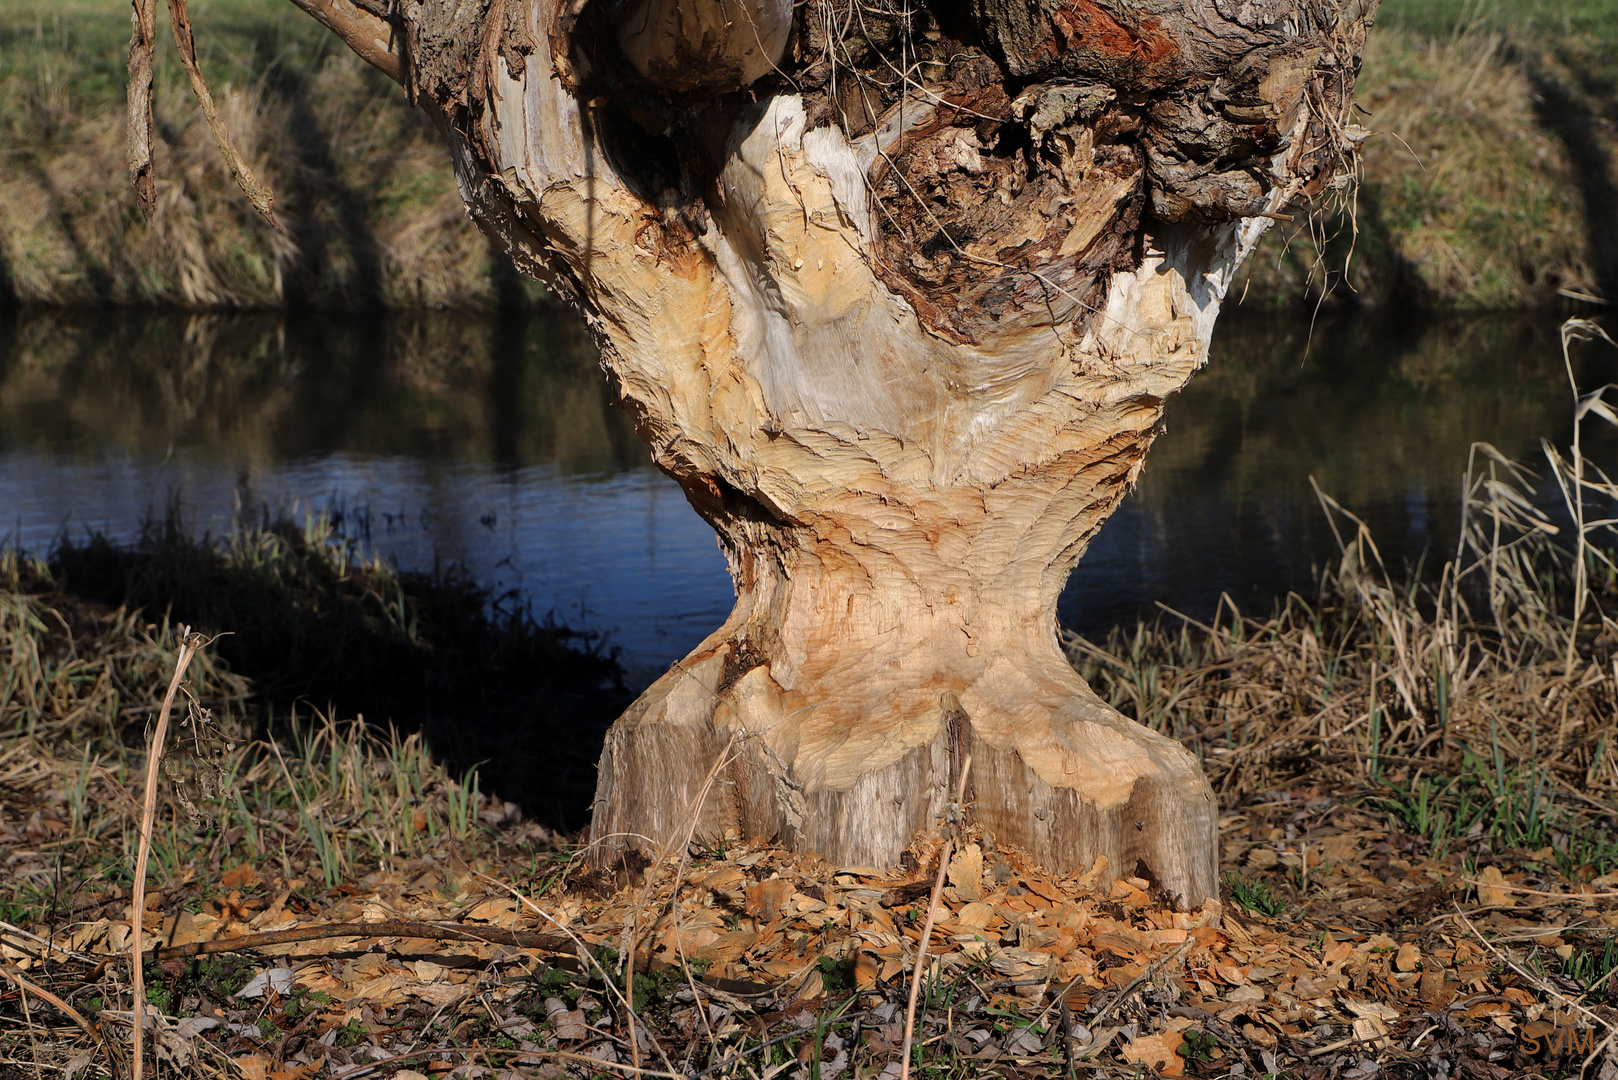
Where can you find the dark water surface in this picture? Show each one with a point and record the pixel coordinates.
(493, 441)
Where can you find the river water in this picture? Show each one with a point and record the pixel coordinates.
(493, 441)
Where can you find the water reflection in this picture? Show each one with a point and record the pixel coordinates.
(494, 441)
(487, 440)
(1380, 413)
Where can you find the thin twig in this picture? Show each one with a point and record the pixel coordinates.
(260, 196)
(189, 644)
(679, 875)
(927, 931)
(50, 946)
(72, 1014)
(585, 954)
(1150, 972)
(1546, 988)
(1539, 892)
(633, 1070)
(674, 895)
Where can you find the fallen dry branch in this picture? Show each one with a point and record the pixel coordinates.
(27, 987)
(384, 928)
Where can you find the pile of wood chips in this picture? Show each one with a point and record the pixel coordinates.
(757, 962)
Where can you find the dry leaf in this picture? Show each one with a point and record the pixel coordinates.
(500, 911)
(976, 915)
(766, 898)
(1161, 1052)
(254, 1067)
(277, 979)
(569, 1024)
(240, 877)
(1369, 1031)
(1491, 891)
(189, 928)
(1372, 1010)
(1431, 989)
(1338, 953)
(1092, 877)
(1408, 957)
(966, 873)
(437, 993)
(304, 1072)
(386, 989)
(867, 968)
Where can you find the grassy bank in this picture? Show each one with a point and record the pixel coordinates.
(1490, 182)
(363, 183)
(1416, 787)
(304, 627)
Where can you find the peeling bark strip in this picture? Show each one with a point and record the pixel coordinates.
(260, 196)
(138, 136)
(897, 298)
(138, 133)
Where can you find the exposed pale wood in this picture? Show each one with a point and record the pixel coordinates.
(904, 372)
(686, 45)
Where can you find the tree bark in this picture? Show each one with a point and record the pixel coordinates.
(896, 294)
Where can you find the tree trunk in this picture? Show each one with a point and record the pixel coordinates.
(897, 294)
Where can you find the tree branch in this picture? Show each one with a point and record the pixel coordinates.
(370, 36)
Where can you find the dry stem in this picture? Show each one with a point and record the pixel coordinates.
(189, 644)
(927, 931)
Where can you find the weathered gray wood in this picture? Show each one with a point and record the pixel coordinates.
(898, 304)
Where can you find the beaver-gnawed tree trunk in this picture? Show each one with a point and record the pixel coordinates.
(896, 290)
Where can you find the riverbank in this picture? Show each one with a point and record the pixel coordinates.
(1416, 790)
(305, 626)
(1490, 182)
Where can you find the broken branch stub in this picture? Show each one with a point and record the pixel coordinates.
(899, 310)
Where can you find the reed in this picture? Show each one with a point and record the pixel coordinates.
(1480, 706)
(254, 769)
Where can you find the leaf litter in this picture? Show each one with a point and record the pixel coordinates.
(757, 962)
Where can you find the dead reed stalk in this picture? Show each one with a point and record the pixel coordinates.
(189, 645)
(932, 914)
(1507, 665)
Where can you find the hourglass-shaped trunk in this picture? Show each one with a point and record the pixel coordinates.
(896, 292)
(896, 581)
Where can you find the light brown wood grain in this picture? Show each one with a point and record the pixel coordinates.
(905, 377)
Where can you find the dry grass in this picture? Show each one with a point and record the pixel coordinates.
(1470, 195)
(258, 769)
(1489, 184)
(1483, 706)
(362, 181)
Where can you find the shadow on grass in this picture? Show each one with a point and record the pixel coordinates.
(1574, 115)
(314, 626)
